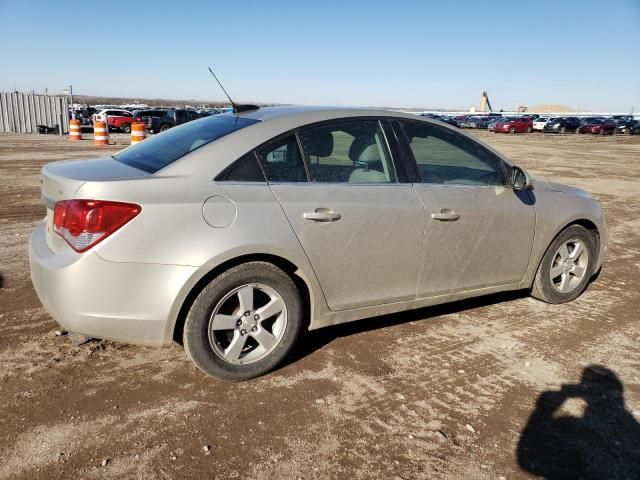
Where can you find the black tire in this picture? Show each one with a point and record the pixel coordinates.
(126, 127)
(542, 285)
(196, 328)
(165, 127)
(529, 130)
(563, 129)
(512, 130)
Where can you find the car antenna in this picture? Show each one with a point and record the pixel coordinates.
(237, 108)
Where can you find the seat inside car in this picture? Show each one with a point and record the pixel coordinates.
(365, 154)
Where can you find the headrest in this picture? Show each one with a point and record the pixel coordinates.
(319, 143)
(364, 150)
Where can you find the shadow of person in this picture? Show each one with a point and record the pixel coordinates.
(602, 443)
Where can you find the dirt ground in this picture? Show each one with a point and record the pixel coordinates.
(468, 390)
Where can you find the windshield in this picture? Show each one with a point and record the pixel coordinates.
(162, 149)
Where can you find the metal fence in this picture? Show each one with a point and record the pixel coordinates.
(24, 112)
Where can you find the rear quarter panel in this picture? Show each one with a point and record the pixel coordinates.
(171, 228)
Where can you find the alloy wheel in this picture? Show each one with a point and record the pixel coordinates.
(247, 324)
(569, 266)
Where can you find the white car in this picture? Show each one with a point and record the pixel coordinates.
(539, 123)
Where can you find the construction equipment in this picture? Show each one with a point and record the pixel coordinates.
(484, 103)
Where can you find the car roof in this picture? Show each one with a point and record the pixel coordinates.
(309, 114)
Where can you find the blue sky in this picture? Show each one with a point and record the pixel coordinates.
(437, 54)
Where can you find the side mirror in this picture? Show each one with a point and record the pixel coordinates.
(520, 179)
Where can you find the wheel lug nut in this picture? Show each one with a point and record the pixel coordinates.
(246, 314)
(256, 317)
(238, 323)
(243, 332)
(254, 329)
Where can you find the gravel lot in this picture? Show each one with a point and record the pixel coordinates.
(468, 390)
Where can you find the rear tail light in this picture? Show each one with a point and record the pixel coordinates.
(84, 223)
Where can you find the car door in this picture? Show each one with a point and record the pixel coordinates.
(479, 231)
(360, 228)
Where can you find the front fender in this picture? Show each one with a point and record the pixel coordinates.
(556, 209)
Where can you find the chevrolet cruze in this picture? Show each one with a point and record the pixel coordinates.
(235, 232)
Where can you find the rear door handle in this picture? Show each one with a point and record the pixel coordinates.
(445, 215)
(322, 215)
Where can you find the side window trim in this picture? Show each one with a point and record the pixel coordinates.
(413, 176)
(503, 166)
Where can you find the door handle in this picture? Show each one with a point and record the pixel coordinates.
(445, 215)
(322, 215)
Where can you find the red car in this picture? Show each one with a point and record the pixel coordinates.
(514, 125)
(598, 126)
(118, 119)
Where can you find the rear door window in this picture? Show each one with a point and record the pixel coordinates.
(348, 151)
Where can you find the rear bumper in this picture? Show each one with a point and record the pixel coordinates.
(126, 302)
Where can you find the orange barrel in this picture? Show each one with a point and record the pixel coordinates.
(138, 132)
(74, 129)
(101, 133)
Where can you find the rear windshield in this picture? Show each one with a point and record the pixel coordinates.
(164, 148)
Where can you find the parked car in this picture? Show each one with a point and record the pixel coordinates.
(238, 232)
(146, 116)
(624, 125)
(514, 125)
(84, 115)
(599, 126)
(539, 123)
(170, 119)
(117, 119)
(562, 125)
(449, 120)
(493, 121)
(481, 121)
(465, 121)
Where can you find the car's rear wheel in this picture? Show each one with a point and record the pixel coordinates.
(602, 131)
(566, 267)
(244, 322)
(512, 130)
(126, 127)
(165, 127)
(563, 129)
(529, 129)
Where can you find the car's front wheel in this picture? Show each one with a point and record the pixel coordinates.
(244, 322)
(566, 267)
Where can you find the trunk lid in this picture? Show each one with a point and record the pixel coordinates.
(61, 181)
